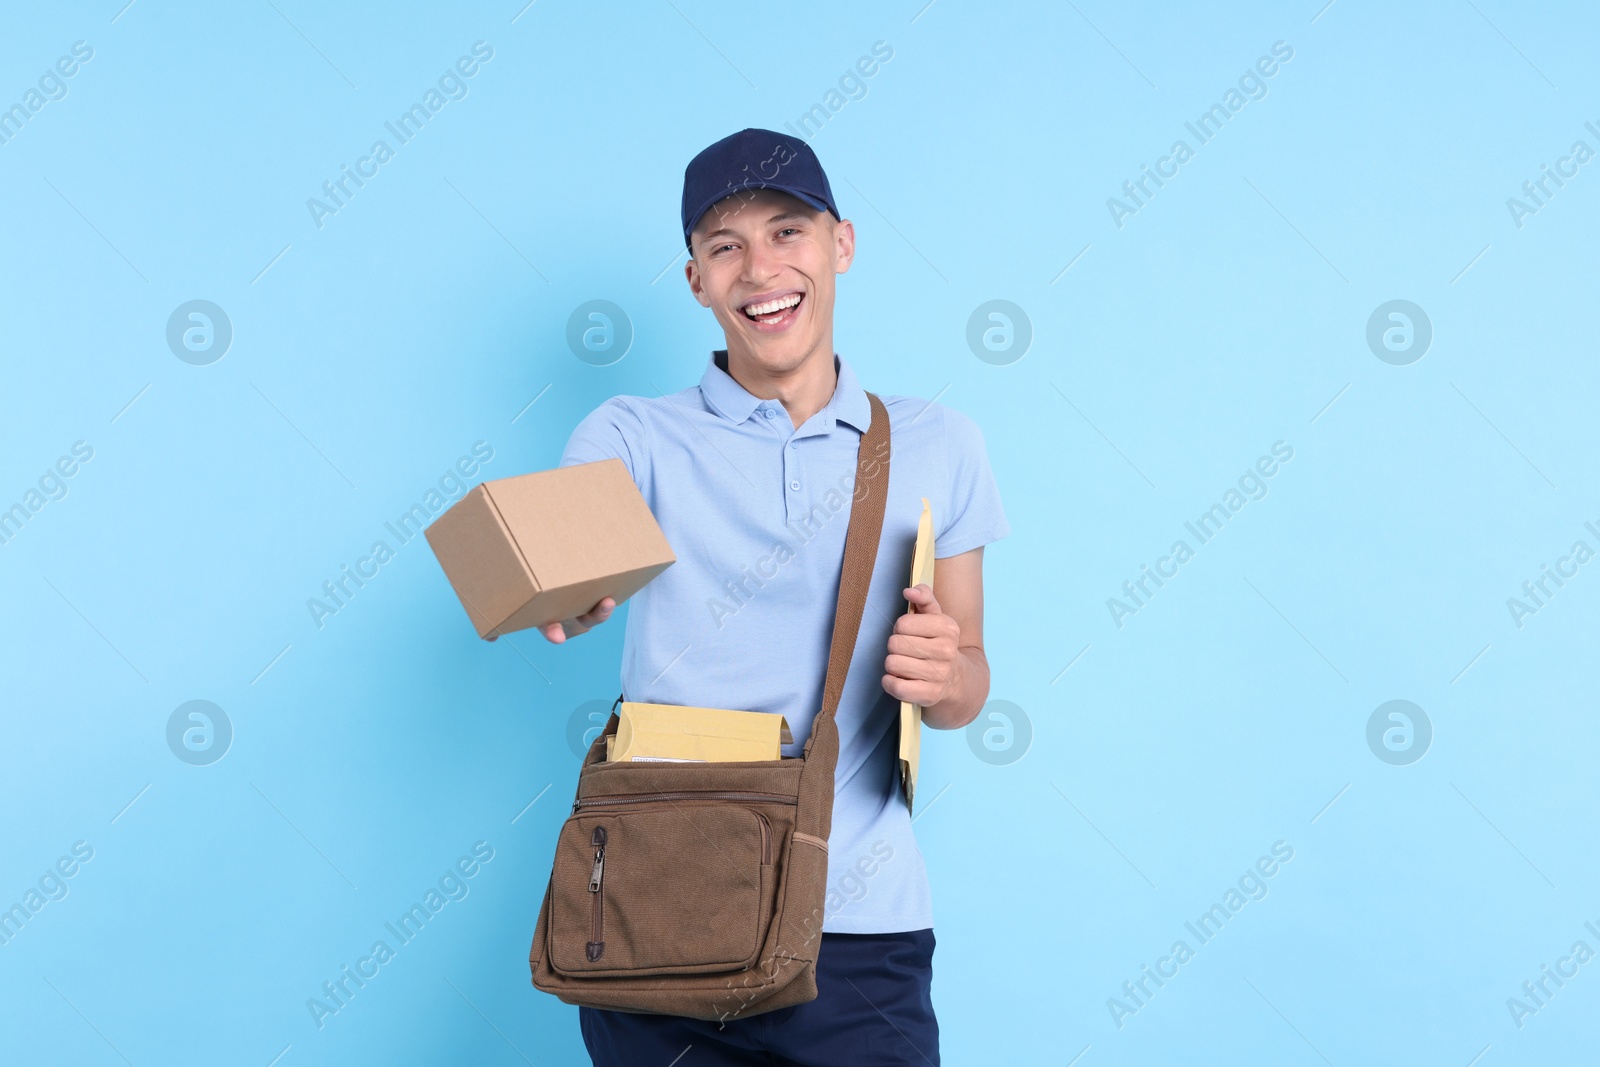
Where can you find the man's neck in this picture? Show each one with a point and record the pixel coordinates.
(803, 391)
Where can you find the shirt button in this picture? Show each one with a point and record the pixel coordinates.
(768, 412)
(795, 486)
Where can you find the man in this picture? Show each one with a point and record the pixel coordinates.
(750, 475)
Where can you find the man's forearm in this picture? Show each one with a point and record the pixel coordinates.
(968, 690)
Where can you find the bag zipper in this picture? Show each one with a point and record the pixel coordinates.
(597, 944)
(598, 839)
(685, 794)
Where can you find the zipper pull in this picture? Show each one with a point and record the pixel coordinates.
(599, 842)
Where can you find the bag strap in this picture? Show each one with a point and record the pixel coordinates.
(860, 554)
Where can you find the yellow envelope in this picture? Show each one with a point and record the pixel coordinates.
(675, 733)
(911, 714)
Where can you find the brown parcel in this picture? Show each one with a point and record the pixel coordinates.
(547, 547)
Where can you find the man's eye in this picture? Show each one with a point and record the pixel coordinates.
(787, 229)
(720, 248)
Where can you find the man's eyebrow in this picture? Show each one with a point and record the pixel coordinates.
(782, 216)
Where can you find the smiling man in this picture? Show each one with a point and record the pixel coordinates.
(750, 475)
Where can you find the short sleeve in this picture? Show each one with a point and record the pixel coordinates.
(975, 516)
(611, 431)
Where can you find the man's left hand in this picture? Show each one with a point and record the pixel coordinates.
(924, 661)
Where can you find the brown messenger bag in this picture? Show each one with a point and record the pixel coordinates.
(697, 889)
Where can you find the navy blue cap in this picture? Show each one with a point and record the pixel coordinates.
(753, 159)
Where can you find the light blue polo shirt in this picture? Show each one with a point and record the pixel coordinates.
(756, 510)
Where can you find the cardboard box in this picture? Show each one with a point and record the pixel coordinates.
(547, 547)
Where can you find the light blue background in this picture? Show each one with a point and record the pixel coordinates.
(1228, 314)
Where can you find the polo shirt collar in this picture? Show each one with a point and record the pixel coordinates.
(735, 403)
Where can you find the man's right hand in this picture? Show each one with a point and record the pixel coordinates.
(557, 632)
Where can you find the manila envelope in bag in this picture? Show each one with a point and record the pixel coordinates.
(911, 714)
(678, 734)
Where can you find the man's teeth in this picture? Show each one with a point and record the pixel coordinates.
(772, 306)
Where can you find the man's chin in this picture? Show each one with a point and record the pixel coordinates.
(774, 353)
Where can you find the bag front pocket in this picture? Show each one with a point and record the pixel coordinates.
(662, 884)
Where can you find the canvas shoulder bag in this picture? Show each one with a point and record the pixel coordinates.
(698, 889)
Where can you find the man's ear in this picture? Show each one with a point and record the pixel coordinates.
(691, 271)
(844, 245)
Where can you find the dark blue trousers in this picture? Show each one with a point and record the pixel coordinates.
(873, 1009)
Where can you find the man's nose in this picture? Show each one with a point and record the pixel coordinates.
(760, 264)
